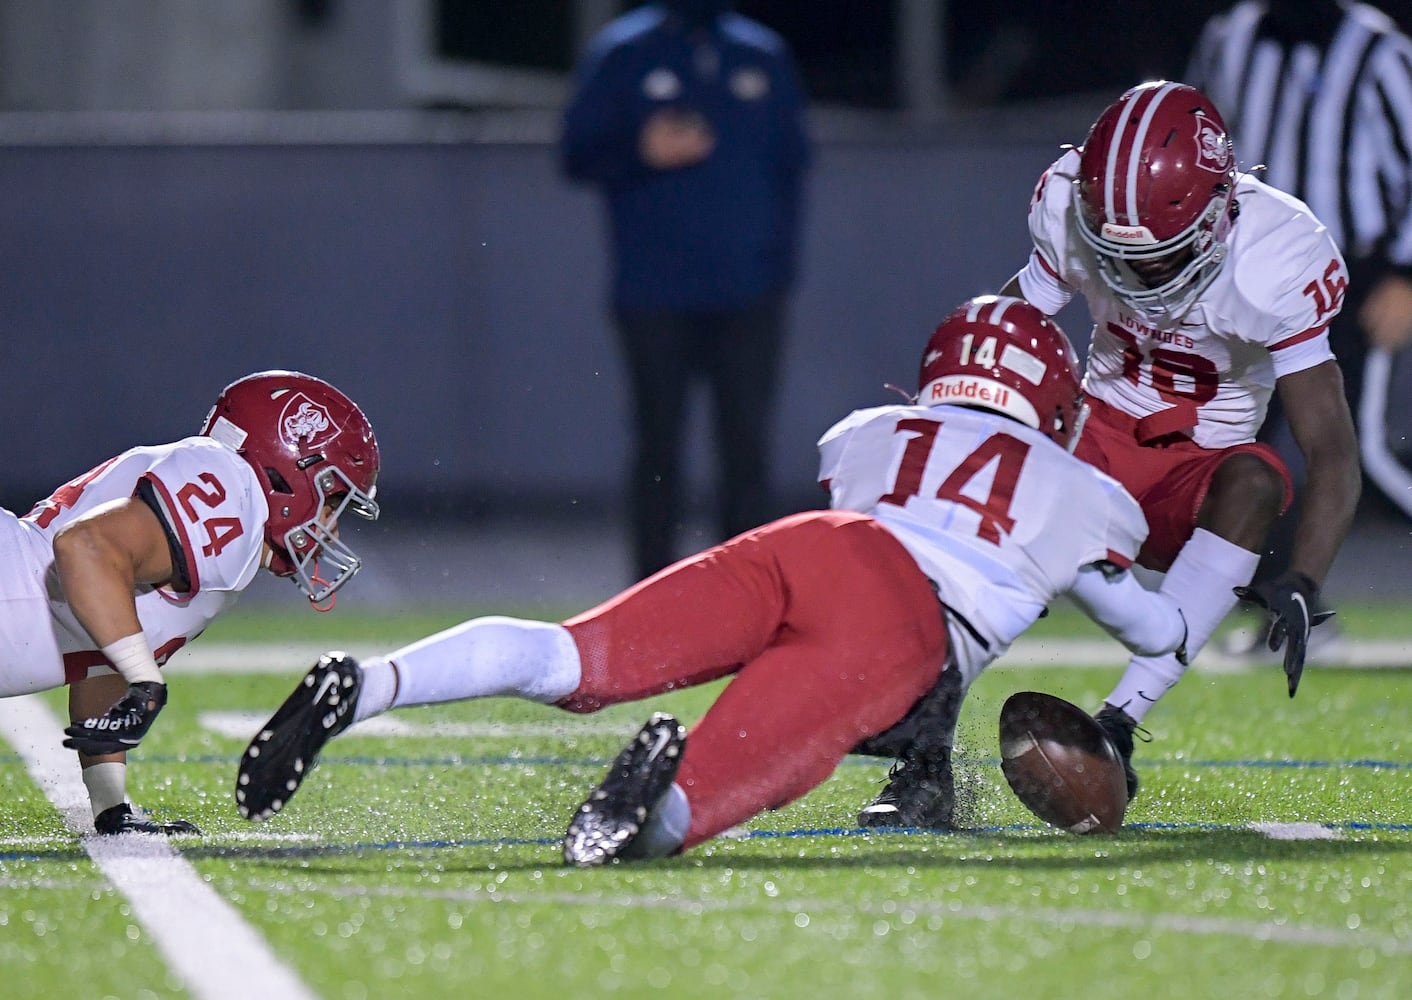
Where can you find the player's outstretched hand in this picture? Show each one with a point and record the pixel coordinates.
(122, 726)
(1288, 599)
(123, 818)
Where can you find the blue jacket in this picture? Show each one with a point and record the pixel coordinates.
(720, 234)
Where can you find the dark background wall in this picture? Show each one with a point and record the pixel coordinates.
(456, 290)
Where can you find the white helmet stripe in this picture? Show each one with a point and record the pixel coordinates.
(1110, 169)
(998, 308)
(1134, 157)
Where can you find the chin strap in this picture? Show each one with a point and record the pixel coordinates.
(332, 598)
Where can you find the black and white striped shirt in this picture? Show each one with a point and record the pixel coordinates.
(1332, 121)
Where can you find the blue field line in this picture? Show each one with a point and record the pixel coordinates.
(320, 850)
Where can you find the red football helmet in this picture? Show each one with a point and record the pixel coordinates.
(311, 448)
(1154, 195)
(1002, 354)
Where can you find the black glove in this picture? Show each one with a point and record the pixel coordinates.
(1180, 652)
(123, 818)
(1289, 599)
(122, 726)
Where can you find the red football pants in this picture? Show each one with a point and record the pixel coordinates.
(1170, 482)
(832, 632)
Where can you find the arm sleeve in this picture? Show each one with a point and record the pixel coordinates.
(1146, 622)
(1041, 280)
(1299, 302)
(1041, 287)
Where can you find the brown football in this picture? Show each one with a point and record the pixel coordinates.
(1060, 765)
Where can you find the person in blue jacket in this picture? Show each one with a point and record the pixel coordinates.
(690, 119)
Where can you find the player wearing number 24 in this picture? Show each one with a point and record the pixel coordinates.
(956, 521)
(120, 568)
(1209, 290)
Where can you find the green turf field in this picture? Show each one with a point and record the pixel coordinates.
(1269, 855)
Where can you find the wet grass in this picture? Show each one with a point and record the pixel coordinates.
(429, 866)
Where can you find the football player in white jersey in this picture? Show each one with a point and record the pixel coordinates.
(120, 568)
(955, 521)
(1208, 290)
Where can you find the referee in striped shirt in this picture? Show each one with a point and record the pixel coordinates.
(1320, 93)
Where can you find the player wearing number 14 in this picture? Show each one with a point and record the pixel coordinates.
(120, 568)
(956, 521)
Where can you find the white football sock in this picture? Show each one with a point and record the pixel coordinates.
(1201, 581)
(483, 658)
(378, 689)
(666, 826)
(106, 784)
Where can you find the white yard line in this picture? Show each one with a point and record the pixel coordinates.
(1173, 923)
(1296, 831)
(206, 942)
(293, 659)
(1103, 653)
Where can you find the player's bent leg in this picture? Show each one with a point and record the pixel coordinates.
(921, 786)
(287, 747)
(838, 634)
(696, 621)
(864, 643)
(1246, 494)
(782, 727)
(606, 827)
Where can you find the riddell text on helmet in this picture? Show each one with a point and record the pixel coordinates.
(984, 392)
(971, 390)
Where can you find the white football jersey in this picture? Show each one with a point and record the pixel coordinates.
(1264, 315)
(214, 509)
(997, 515)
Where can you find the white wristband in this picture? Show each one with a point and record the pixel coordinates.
(132, 657)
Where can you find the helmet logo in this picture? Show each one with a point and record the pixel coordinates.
(305, 424)
(1213, 146)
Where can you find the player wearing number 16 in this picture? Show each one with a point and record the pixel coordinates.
(1209, 290)
(120, 568)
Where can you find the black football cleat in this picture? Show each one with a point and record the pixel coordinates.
(1119, 727)
(920, 793)
(287, 747)
(123, 818)
(610, 819)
